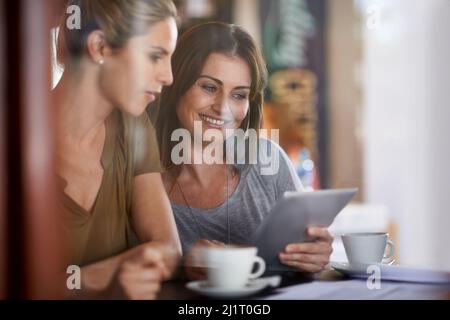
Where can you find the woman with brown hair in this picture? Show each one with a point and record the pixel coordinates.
(219, 81)
(108, 160)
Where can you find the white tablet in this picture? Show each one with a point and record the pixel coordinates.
(287, 221)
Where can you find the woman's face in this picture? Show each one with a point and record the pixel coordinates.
(219, 98)
(134, 75)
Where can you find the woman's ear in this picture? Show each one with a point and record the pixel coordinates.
(97, 46)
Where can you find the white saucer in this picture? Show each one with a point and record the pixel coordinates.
(357, 268)
(253, 286)
(392, 272)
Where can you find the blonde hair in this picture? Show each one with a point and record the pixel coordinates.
(118, 19)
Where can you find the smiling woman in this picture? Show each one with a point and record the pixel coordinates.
(200, 51)
(219, 81)
(229, 94)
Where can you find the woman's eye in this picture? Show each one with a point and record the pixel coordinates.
(155, 57)
(240, 96)
(209, 88)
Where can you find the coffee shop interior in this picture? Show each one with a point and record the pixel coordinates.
(357, 88)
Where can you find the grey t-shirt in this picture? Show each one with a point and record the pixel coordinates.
(252, 200)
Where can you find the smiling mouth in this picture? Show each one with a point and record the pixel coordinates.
(213, 121)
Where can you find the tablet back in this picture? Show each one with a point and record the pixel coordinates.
(287, 221)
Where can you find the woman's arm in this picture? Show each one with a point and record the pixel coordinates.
(152, 218)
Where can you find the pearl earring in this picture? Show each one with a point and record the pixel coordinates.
(101, 61)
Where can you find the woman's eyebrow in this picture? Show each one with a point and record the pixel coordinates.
(221, 83)
(242, 87)
(161, 49)
(211, 78)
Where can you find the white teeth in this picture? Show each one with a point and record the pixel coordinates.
(213, 121)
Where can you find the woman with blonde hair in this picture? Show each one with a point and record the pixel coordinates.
(108, 160)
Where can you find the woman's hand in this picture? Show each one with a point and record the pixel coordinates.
(194, 266)
(309, 256)
(139, 276)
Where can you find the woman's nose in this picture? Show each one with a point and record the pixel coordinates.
(221, 104)
(166, 77)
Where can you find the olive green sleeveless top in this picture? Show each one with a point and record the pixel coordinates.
(130, 149)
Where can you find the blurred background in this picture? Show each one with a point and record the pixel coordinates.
(358, 88)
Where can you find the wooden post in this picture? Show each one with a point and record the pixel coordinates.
(2, 158)
(33, 240)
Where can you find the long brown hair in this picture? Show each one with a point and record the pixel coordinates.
(193, 49)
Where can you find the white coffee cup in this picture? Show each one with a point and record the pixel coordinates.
(368, 247)
(231, 267)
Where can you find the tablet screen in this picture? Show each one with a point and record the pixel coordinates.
(287, 221)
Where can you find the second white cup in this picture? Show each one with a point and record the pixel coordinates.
(367, 248)
(231, 267)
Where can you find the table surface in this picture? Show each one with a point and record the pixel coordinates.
(328, 285)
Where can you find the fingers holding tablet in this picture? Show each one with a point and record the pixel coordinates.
(309, 256)
(283, 230)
